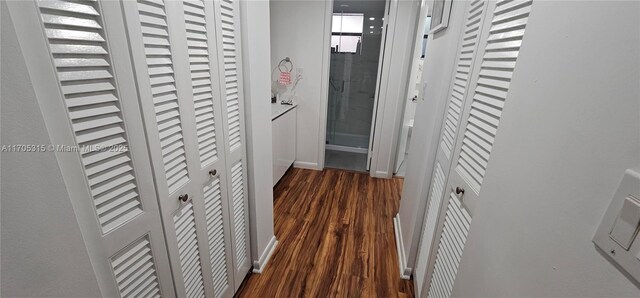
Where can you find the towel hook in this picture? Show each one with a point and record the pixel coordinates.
(283, 63)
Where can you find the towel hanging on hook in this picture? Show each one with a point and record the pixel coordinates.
(285, 71)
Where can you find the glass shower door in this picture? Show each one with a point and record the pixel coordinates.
(357, 28)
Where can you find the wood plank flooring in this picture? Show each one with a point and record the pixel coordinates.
(336, 238)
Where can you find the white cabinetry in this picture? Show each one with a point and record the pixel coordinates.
(283, 123)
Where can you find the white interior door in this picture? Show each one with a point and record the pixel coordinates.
(86, 92)
(173, 48)
(501, 42)
(204, 70)
(227, 21)
(409, 105)
(186, 133)
(460, 81)
(491, 87)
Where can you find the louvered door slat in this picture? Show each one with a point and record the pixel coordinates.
(467, 51)
(64, 7)
(156, 41)
(117, 170)
(201, 76)
(185, 226)
(93, 105)
(229, 33)
(61, 20)
(239, 212)
(135, 271)
(456, 227)
(502, 48)
(90, 99)
(112, 186)
(213, 203)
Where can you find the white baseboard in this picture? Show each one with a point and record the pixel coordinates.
(259, 265)
(306, 165)
(381, 174)
(405, 272)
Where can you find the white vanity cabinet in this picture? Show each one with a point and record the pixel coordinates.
(283, 123)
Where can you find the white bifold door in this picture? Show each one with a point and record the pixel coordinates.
(151, 91)
(186, 63)
(489, 46)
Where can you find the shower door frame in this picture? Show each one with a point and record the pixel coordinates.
(390, 5)
(383, 42)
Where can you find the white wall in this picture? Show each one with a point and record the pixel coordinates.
(568, 132)
(442, 48)
(43, 253)
(257, 92)
(298, 31)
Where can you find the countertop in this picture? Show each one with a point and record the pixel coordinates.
(278, 109)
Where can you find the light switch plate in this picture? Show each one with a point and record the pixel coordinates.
(627, 224)
(617, 236)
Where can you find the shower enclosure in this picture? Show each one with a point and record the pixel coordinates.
(357, 34)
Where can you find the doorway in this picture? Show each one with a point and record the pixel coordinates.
(414, 89)
(357, 35)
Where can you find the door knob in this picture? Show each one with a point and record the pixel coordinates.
(213, 172)
(459, 190)
(183, 198)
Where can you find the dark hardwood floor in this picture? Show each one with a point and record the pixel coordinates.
(336, 238)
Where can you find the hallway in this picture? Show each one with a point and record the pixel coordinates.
(336, 238)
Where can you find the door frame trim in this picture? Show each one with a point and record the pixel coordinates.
(383, 78)
(388, 106)
(324, 87)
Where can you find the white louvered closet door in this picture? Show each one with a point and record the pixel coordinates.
(227, 14)
(464, 69)
(500, 45)
(74, 52)
(197, 51)
(173, 45)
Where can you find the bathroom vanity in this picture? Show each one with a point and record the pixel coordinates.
(283, 123)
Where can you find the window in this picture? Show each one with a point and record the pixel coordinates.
(346, 36)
